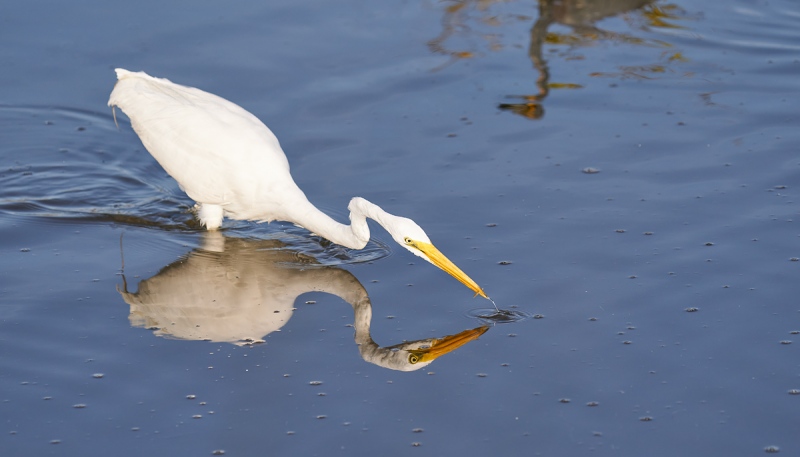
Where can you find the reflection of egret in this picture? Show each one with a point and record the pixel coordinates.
(238, 291)
(232, 165)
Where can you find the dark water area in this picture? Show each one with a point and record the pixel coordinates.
(620, 177)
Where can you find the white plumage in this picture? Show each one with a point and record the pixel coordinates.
(232, 165)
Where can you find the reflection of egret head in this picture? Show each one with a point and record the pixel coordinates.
(421, 353)
(239, 291)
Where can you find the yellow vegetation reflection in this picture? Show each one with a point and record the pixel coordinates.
(238, 291)
(465, 20)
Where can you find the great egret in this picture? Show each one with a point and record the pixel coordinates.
(233, 166)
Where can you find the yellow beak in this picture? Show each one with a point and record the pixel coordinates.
(438, 259)
(444, 345)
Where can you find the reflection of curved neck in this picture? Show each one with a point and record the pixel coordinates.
(387, 357)
(349, 289)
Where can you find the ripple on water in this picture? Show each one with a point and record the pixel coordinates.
(493, 316)
(75, 165)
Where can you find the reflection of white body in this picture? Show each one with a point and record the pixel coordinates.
(232, 165)
(239, 291)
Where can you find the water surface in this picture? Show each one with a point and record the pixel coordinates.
(624, 176)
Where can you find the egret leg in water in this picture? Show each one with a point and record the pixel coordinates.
(233, 166)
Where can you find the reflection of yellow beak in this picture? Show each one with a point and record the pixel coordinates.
(442, 346)
(438, 259)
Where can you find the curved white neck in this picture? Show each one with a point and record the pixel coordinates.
(353, 236)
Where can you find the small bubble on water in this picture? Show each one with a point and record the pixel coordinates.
(311, 302)
(482, 375)
(25, 250)
(786, 342)
(692, 309)
(504, 262)
(590, 170)
(592, 403)
(322, 416)
(708, 243)
(620, 230)
(416, 444)
(218, 452)
(55, 441)
(646, 418)
(794, 391)
(772, 449)
(315, 383)
(795, 259)
(417, 430)
(98, 375)
(564, 400)
(191, 397)
(79, 405)
(197, 416)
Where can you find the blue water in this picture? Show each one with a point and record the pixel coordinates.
(625, 178)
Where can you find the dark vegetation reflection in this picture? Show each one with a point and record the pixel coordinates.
(240, 290)
(479, 17)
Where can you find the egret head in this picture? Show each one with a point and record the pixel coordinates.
(411, 236)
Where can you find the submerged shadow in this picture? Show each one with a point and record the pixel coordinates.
(581, 17)
(478, 20)
(240, 290)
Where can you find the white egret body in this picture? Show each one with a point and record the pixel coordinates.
(233, 166)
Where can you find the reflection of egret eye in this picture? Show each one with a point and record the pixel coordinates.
(413, 358)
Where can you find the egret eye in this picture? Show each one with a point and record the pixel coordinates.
(408, 240)
(413, 358)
